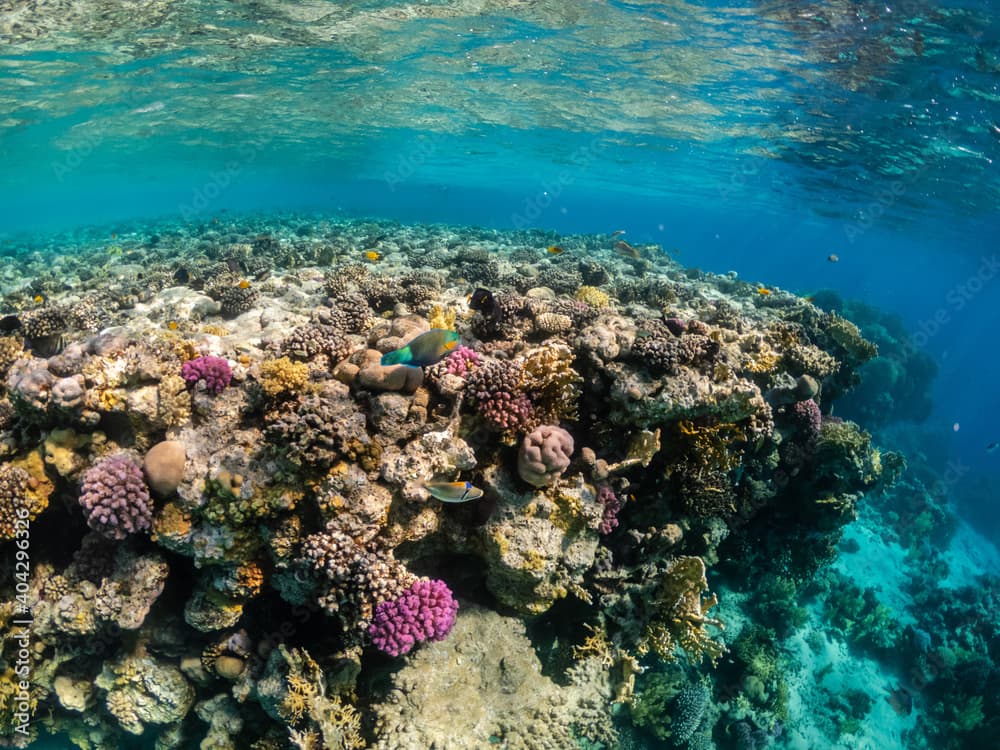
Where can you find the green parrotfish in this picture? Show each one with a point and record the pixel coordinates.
(426, 349)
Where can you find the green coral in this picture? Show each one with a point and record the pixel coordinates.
(858, 615)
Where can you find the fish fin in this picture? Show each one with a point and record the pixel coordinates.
(398, 357)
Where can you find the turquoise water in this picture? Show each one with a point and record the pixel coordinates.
(761, 138)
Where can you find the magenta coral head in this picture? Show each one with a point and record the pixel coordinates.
(214, 371)
(461, 361)
(423, 612)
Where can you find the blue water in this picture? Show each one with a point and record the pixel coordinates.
(756, 137)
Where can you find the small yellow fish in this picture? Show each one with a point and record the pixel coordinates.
(244, 284)
(373, 256)
(555, 250)
(38, 299)
(172, 325)
(453, 492)
(763, 291)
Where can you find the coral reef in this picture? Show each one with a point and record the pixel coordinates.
(631, 429)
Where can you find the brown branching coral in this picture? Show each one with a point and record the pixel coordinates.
(680, 617)
(551, 383)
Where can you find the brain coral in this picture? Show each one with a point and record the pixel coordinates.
(115, 498)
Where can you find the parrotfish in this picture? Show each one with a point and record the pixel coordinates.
(453, 492)
(426, 349)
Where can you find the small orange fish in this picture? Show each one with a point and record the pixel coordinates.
(373, 256)
(555, 250)
(244, 284)
(626, 250)
(763, 291)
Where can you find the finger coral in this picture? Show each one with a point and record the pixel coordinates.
(115, 498)
(423, 612)
(214, 372)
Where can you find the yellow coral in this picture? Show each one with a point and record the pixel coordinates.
(680, 617)
(552, 383)
(717, 447)
(171, 523)
(282, 376)
(441, 318)
(592, 296)
(214, 330)
(173, 406)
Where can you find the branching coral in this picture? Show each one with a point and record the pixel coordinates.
(550, 381)
(680, 614)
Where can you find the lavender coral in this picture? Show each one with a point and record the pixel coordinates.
(544, 455)
(424, 612)
(115, 498)
(494, 389)
(214, 371)
(462, 361)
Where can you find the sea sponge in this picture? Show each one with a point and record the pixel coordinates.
(423, 612)
(544, 455)
(115, 498)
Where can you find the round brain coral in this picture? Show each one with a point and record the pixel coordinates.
(115, 498)
(544, 455)
(424, 612)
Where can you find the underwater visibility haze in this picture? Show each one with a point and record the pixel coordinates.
(499, 374)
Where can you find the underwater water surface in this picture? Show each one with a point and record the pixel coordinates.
(712, 462)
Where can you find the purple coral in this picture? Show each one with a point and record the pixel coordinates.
(215, 371)
(424, 612)
(495, 390)
(462, 361)
(808, 419)
(613, 503)
(115, 498)
(544, 455)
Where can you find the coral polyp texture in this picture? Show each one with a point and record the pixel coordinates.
(115, 498)
(423, 612)
(637, 441)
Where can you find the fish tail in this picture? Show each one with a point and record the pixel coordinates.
(398, 357)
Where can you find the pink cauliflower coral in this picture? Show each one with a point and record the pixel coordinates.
(423, 612)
